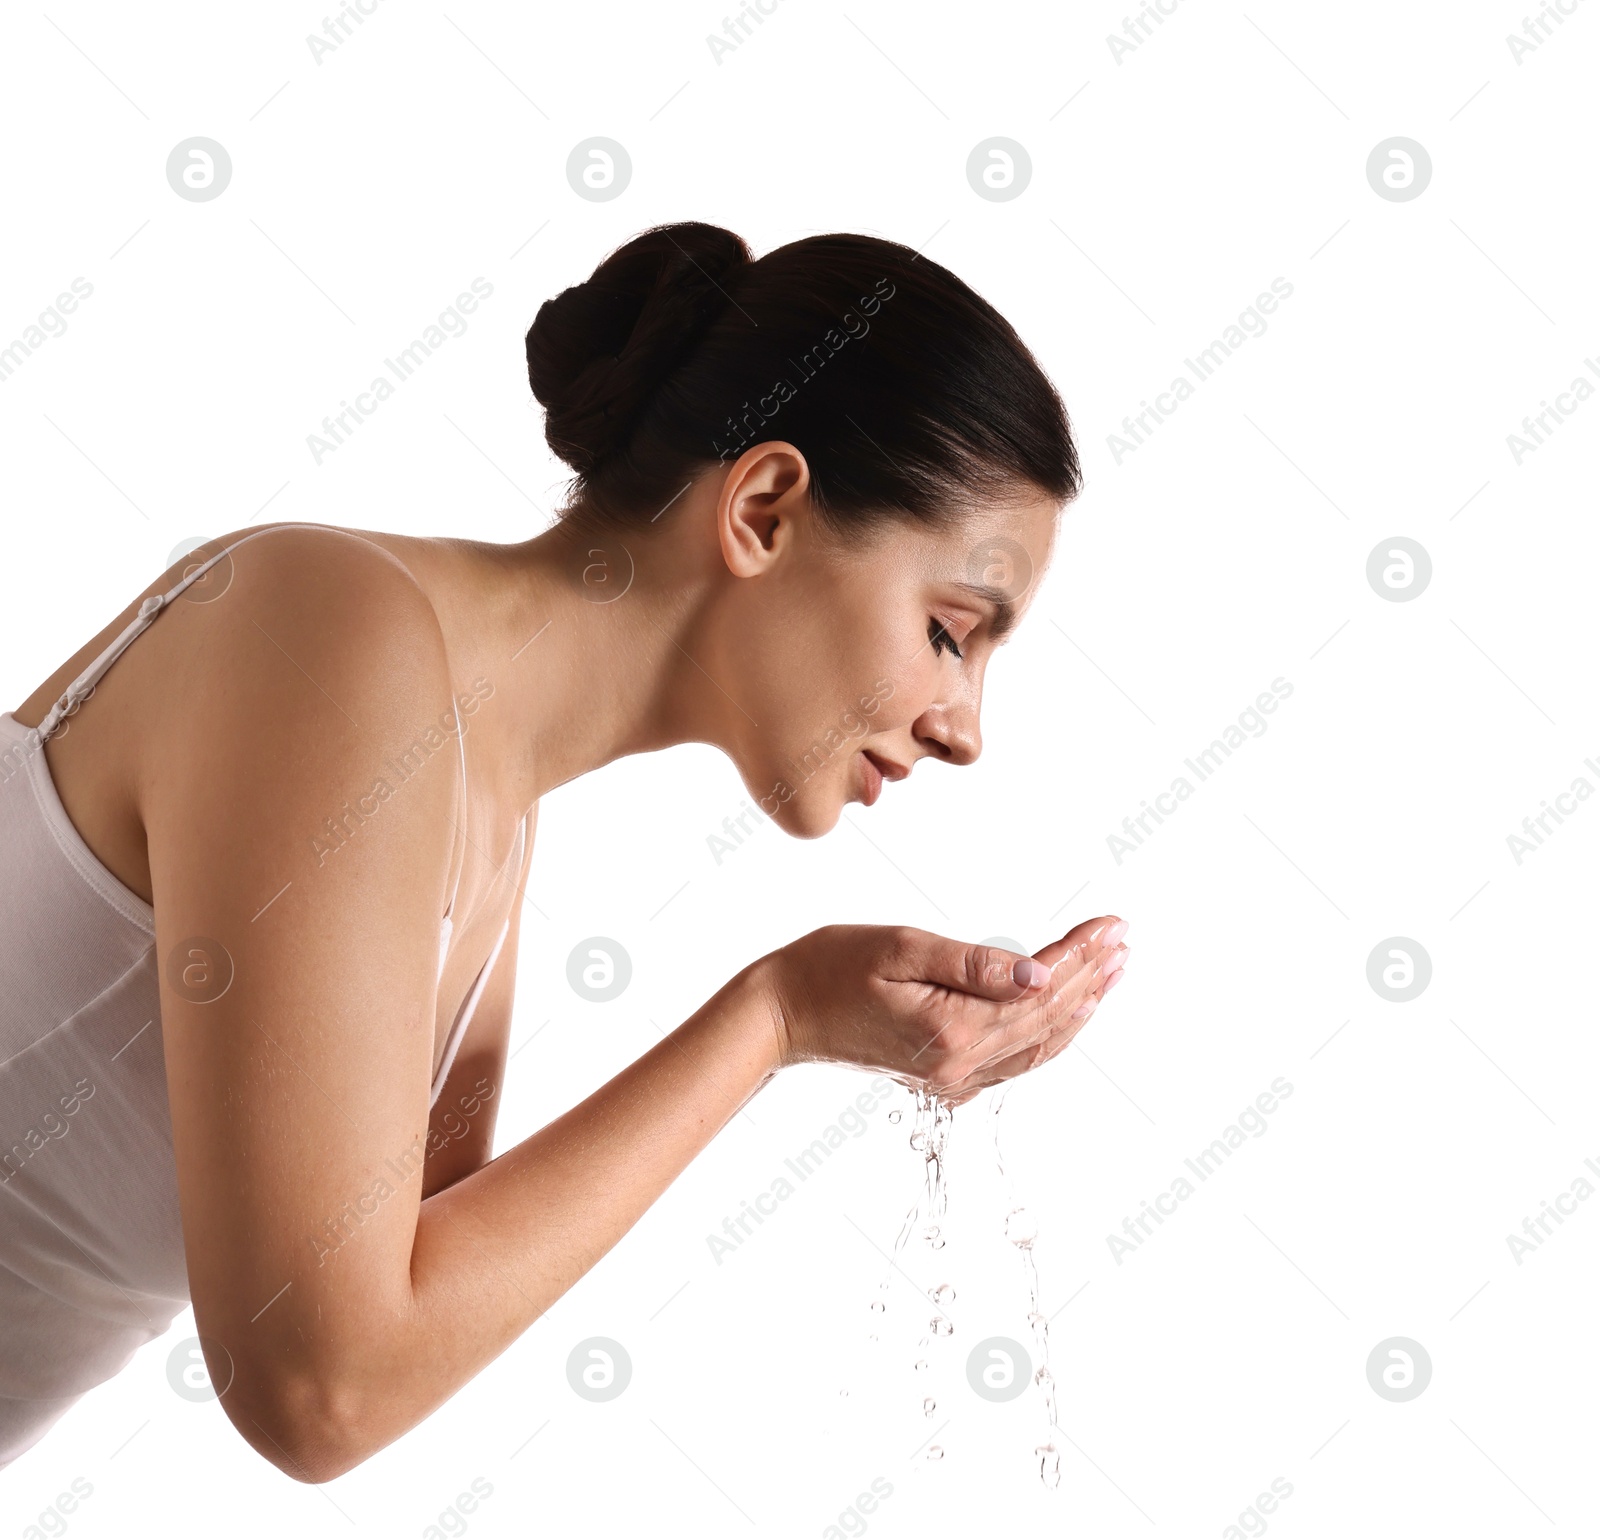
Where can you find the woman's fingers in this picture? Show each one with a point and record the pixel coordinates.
(1032, 1057)
(992, 972)
(1086, 939)
(1079, 962)
(1075, 983)
(1071, 1006)
(1009, 1068)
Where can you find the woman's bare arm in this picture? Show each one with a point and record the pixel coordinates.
(494, 1251)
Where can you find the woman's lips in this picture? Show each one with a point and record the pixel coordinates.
(871, 780)
(879, 770)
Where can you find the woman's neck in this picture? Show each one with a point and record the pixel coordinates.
(581, 646)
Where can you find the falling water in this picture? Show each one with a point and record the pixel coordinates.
(1022, 1230)
(930, 1129)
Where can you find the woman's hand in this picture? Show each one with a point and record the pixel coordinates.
(937, 1013)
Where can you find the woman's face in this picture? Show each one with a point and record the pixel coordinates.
(849, 662)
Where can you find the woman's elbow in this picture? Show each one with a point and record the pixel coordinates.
(306, 1427)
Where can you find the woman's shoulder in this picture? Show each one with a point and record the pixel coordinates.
(306, 644)
(333, 591)
(292, 671)
(287, 554)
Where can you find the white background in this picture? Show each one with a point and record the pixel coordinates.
(1168, 189)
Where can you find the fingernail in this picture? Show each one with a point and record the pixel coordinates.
(1107, 986)
(1114, 935)
(1029, 974)
(1083, 1010)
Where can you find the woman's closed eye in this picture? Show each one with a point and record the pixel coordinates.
(941, 638)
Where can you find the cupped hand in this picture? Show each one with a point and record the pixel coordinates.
(948, 1016)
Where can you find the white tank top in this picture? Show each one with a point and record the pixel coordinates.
(91, 1240)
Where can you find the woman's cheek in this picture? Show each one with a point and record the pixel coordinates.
(904, 688)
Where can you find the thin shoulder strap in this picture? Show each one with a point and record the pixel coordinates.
(458, 1028)
(461, 822)
(83, 686)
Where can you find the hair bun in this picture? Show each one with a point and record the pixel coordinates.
(599, 351)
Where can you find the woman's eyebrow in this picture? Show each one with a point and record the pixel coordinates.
(1005, 612)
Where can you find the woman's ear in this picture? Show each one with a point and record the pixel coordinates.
(763, 504)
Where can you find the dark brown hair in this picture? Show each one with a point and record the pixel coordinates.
(909, 395)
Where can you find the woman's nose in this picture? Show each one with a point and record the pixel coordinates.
(950, 732)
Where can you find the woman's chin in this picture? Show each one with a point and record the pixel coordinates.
(810, 813)
(805, 811)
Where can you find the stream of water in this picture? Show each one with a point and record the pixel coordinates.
(929, 1134)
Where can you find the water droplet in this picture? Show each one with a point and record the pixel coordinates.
(941, 1294)
(935, 1452)
(921, 1363)
(937, 1243)
(928, 1404)
(844, 1392)
(894, 1116)
(931, 1234)
(1022, 1229)
(1049, 1465)
(876, 1306)
(872, 1337)
(940, 1327)
(919, 1140)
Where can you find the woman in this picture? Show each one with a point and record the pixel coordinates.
(261, 912)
